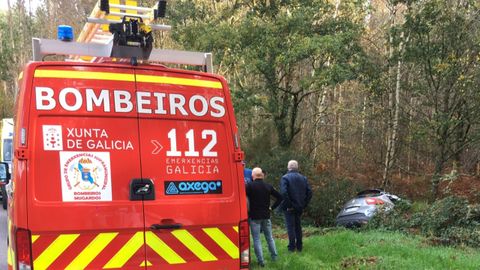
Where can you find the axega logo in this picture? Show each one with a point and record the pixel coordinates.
(193, 187)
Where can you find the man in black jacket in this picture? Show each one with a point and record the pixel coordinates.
(296, 194)
(258, 193)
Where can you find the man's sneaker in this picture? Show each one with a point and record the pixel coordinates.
(261, 264)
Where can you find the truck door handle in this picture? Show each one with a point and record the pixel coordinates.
(165, 226)
(143, 190)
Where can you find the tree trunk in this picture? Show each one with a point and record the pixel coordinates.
(320, 119)
(364, 121)
(392, 124)
(392, 144)
(337, 122)
(437, 176)
(339, 128)
(409, 146)
(337, 6)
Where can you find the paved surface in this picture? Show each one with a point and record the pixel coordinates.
(3, 239)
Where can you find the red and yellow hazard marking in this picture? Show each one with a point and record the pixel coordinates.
(126, 77)
(91, 251)
(118, 250)
(10, 254)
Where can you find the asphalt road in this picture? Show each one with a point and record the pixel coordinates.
(3, 238)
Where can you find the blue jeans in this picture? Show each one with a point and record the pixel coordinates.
(294, 230)
(265, 225)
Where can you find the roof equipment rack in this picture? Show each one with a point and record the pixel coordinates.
(114, 30)
(44, 47)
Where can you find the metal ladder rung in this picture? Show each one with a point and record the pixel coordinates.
(162, 27)
(121, 14)
(102, 33)
(99, 41)
(102, 37)
(125, 7)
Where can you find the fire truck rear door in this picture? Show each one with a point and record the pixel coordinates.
(84, 156)
(186, 139)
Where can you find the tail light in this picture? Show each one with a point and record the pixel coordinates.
(375, 201)
(244, 244)
(23, 249)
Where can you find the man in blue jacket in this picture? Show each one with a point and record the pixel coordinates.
(296, 195)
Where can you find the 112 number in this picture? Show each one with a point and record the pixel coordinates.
(207, 150)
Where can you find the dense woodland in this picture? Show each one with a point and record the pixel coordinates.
(378, 93)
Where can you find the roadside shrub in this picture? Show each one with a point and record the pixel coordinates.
(419, 206)
(469, 236)
(474, 214)
(329, 195)
(442, 215)
(397, 219)
(468, 232)
(449, 221)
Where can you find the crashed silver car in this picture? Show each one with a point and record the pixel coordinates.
(359, 210)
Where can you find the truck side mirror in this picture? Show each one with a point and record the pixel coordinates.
(4, 173)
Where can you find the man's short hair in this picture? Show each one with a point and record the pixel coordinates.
(292, 165)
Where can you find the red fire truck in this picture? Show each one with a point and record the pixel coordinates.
(126, 164)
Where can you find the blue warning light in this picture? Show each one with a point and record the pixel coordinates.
(65, 33)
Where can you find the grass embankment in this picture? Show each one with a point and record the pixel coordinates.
(346, 249)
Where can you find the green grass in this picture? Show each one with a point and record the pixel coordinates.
(346, 249)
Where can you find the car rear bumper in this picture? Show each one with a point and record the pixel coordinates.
(353, 220)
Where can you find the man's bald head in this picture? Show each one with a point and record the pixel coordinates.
(257, 173)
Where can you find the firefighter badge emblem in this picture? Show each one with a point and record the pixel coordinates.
(85, 176)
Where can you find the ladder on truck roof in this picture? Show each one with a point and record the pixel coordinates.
(96, 42)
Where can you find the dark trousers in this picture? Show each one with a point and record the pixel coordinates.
(294, 230)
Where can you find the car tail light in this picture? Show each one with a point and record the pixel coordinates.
(244, 235)
(374, 201)
(23, 249)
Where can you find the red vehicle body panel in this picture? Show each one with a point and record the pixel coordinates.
(92, 130)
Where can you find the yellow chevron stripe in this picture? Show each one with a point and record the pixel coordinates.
(9, 248)
(145, 263)
(72, 74)
(194, 245)
(235, 228)
(9, 255)
(178, 81)
(222, 240)
(162, 249)
(34, 238)
(53, 251)
(91, 251)
(126, 252)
